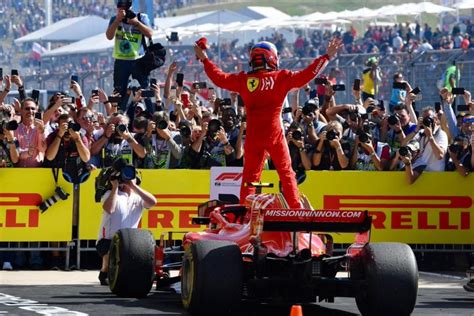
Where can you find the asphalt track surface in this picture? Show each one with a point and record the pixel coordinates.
(78, 293)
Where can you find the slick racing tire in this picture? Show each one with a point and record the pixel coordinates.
(391, 273)
(211, 282)
(131, 263)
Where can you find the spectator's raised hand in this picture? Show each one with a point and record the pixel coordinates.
(172, 67)
(76, 88)
(163, 133)
(221, 135)
(62, 129)
(150, 128)
(102, 95)
(8, 82)
(39, 125)
(333, 47)
(109, 130)
(120, 14)
(94, 99)
(16, 79)
(328, 90)
(446, 95)
(156, 89)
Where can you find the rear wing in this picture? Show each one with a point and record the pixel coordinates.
(315, 220)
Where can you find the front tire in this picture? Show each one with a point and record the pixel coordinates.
(391, 273)
(131, 262)
(212, 277)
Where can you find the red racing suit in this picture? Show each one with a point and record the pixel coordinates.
(263, 94)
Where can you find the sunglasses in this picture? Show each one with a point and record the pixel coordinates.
(88, 118)
(30, 109)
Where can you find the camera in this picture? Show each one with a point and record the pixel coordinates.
(393, 119)
(404, 151)
(121, 128)
(455, 148)
(224, 102)
(364, 136)
(162, 124)
(331, 135)
(129, 14)
(120, 170)
(410, 148)
(59, 194)
(76, 127)
(214, 126)
(428, 122)
(296, 135)
(5, 123)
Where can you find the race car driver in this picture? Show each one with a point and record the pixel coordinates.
(263, 91)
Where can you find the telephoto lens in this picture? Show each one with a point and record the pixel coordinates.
(121, 128)
(331, 135)
(393, 119)
(296, 135)
(428, 122)
(59, 194)
(403, 151)
(363, 136)
(76, 127)
(162, 124)
(10, 125)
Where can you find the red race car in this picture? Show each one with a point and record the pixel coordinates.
(266, 252)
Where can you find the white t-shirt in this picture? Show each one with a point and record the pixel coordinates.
(426, 156)
(127, 214)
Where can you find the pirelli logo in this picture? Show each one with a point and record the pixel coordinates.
(13, 205)
(174, 211)
(408, 212)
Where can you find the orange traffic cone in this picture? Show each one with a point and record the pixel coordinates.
(296, 310)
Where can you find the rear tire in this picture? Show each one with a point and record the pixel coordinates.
(212, 277)
(391, 273)
(131, 264)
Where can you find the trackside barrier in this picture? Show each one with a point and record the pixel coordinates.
(435, 214)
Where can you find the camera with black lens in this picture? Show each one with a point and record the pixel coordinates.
(428, 122)
(393, 119)
(76, 127)
(412, 147)
(120, 170)
(224, 102)
(214, 126)
(121, 128)
(162, 124)
(404, 151)
(5, 122)
(354, 115)
(455, 148)
(364, 136)
(331, 135)
(129, 15)
(367, 126)
(309, 107)
(296, 135)
(59, 194)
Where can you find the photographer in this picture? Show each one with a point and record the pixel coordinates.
(128, 29)
(433, 145)
(396, 128)
(369, 154)
(212, 147)
(116, 140)
(9, 154)
(164, 148)
(329, 153)
(123, 205)
(460, 155)
(371, 76)
(300, 160)
(66, 143)
(464, 129)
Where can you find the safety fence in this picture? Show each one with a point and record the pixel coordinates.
(422, 69)
(435, 214)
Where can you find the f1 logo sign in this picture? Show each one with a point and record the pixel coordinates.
(234, 176)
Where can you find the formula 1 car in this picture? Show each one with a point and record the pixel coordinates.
(266, 252)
